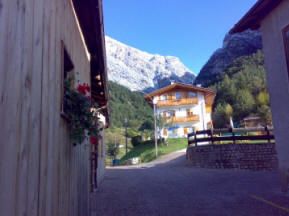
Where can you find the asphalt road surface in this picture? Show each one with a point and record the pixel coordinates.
(170, 186)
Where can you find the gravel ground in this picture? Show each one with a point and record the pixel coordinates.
(169, 186)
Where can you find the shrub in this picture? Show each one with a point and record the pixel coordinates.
(136, 140)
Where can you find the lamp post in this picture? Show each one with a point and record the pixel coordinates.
(155, 101)
(125, 122)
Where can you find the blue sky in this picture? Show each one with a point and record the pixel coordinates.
(189, 29)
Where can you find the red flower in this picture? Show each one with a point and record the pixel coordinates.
(87, 87)
(83, 88)
(93, 140)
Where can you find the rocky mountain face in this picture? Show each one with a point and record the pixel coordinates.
(234, 46)
(142, 71)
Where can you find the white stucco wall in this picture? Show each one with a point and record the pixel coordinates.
(277, 77)
(181, 111)
(101, 151)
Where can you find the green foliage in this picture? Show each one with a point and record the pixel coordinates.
(263, 98)
(147, 125)
(146, 150)
(136, 140)
(115, 136)
(244, 104)
(222, 115)
(226, 90)
(132, 132)
(264, 112)
(77, 108)
(243, 86)
(131, 105)
(127, 104)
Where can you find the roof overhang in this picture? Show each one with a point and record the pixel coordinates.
(253, 18)
(90, 17)
(209, 93)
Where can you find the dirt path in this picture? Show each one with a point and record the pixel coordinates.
(169, 186)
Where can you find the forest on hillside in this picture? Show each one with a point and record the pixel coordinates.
(242, 91)
(126, 104)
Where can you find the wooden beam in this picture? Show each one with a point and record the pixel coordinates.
(255, 15)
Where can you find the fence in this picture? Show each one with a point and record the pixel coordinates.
(231, 135)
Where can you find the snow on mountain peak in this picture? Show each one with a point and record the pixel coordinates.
(142, 71)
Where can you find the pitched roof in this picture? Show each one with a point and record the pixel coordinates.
(255, 15)
(209, 93)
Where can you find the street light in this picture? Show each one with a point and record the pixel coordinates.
(155, 101)
(125, 122)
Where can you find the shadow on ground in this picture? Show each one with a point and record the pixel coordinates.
(171, 186)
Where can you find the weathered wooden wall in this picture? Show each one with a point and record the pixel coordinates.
(41, 173)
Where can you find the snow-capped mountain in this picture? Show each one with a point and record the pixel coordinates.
(142, 71)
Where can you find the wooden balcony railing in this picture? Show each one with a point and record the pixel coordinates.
(232, 135)
(192, 118)
(177, 102)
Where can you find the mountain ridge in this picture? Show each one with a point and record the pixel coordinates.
(234, 47)
(141, 71)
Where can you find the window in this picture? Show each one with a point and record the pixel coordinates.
(170, 97)
(164, 97)
(67, 72)
(189, 112)
(192, 94)
(286, 45)
(173, 113)
(175, 132)
(170, 113)
(178, 95)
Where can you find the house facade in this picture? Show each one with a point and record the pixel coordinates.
(41, 172)
(272, 18)
(182, 109)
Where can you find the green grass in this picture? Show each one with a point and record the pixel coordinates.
(146, 150)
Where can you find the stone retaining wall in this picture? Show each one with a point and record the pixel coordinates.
(234, 156)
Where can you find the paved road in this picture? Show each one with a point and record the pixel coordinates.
(171, 187)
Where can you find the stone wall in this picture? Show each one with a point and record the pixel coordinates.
(234, 156)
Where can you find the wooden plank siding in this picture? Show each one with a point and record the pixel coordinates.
(41, 173)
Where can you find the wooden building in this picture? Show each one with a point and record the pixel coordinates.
(41, 172)
(272, 18)
(253, 121)
(184, 108)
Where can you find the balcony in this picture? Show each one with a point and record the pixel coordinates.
(177, 102)
(192, 118)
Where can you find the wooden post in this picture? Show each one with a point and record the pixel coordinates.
(268, 133)
(212, 136)
(233, 135)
